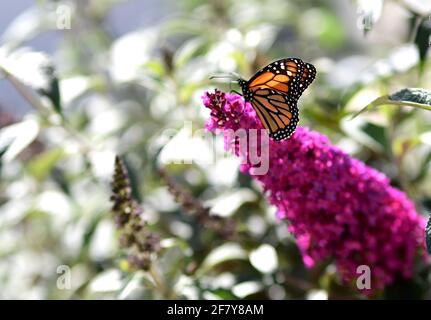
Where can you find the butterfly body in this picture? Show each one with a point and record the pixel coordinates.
(274, 91)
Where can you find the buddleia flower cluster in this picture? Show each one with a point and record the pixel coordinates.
(337, 207)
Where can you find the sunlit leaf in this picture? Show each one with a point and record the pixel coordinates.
(139, 286)
(34, 69)
(169, 267)
(107, 281)
(223, 253)
(187, 51)
(90, 231)
(44, 163)
(74, 87)
(155, 67)
(30, 67)
(426, 138)
(27, 25)
(130, 52)
(247, 288)
(227, 203)
(264, 258)
(17, 137)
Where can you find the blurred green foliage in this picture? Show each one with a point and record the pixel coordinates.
(137, 94)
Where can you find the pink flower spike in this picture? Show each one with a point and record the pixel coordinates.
(337, 206)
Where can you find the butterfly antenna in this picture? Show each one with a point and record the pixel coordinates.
(231, 75)
(221, 76)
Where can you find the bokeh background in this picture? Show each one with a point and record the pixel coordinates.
(126, 77)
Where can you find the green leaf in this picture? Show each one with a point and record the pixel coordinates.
(424, 167)
(187, 91)
(226, 252)
(90, 231)
(422, 41)
(106, 282)
(3, 150)
(53, 91)
(169, 266)
(187, 51)
(411, 97)
(224, 294)
(138, 287)
(156, 68)
(369, 134)
(417, 95)
(44, 163)
(378, 134)
(60, 178)
(428, 235)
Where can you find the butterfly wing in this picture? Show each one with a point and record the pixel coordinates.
(277, 112)
(275, 91)
(282, 75)
(306, 78)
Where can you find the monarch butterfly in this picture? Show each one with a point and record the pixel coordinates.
(274, 92)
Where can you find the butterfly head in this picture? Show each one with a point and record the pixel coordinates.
(245, 89)
(242, 83)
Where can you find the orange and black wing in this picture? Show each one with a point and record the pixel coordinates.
(282, 75)
(277, 112)
(275, 91)
(307, 76)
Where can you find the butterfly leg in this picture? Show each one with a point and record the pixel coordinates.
(234, 91)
